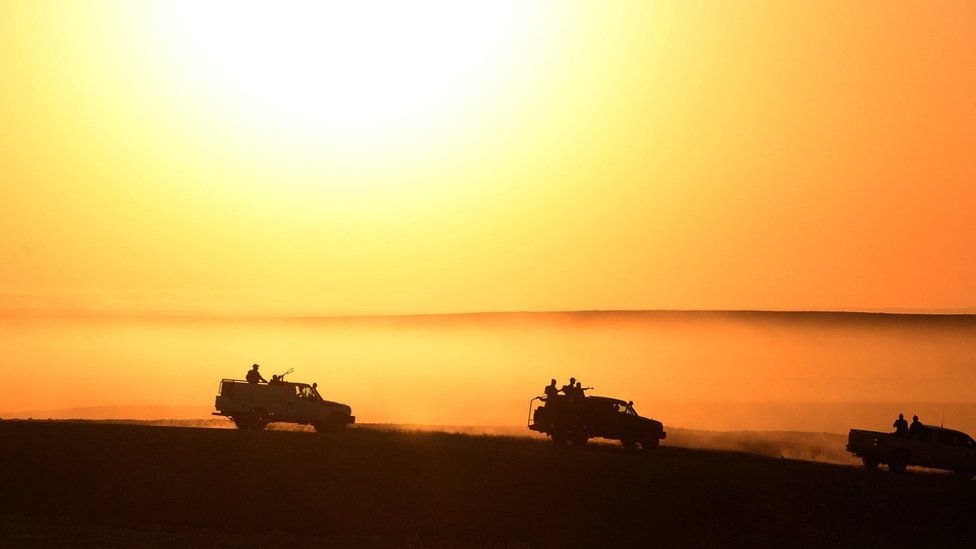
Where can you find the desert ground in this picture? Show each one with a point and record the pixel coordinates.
(105, 484)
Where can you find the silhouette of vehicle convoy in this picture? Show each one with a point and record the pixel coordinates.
(576, 420)
(255, 405)
(932, 447)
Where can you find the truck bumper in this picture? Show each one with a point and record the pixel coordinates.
(663, 435)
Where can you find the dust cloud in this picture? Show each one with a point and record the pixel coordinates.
(822, 447)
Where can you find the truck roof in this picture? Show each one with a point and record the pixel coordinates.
(924, 426)
(275, 384)
(608, 400)
(943, 429)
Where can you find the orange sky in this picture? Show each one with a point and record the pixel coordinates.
(597, 155)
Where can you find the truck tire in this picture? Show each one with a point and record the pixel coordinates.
(578, 438)
(650, 442)
(870, 462)
(250, 422)
(898, 463)
(558, 438)
(335, 423)
(628, 443)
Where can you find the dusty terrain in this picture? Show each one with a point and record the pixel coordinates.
(112, 484)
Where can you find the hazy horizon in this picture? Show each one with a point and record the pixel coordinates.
(703, 370)
(82, 312)
(745, 417)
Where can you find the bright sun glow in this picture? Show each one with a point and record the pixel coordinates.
(350, 70)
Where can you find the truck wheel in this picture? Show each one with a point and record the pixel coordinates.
(870, 462)
(578, 439)
(333, 424)
(898, 463)
(628, 443)
(650, 443)
(558, 438)
(249, 422)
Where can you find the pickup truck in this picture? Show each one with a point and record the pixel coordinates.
(926, 446)
(576, 420)
(255, 405)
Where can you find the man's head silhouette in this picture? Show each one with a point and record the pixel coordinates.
(254, 367)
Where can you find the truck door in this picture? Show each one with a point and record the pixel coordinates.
(922, 446)
(946, 454)
(602, 419)
(607, 420)
(305, 405)
(625, 422)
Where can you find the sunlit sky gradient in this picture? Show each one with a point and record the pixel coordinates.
(374, 157)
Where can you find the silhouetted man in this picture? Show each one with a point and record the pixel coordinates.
(569, 390)
(551, 390)
(254, 376)
(580, 391)
(915, 429)
(900, 425)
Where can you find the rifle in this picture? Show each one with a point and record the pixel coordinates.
(281, 377)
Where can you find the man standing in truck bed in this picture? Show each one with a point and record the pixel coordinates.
(916, 429)
(551, 390)
(900, 425)
(254, 376)
(570, 389)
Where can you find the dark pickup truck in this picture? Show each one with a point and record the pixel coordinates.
(255, 405)
(577, 419)
(933, 447)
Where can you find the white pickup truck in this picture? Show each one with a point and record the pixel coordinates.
(255, 405)
(933, 447)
